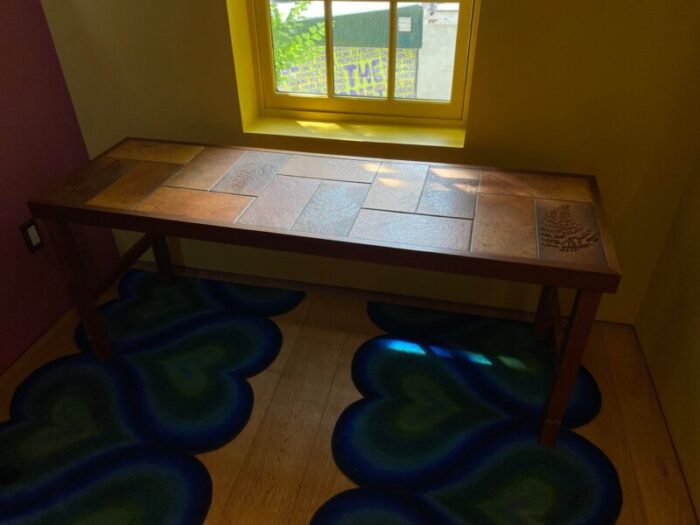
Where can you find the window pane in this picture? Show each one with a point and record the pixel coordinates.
(426, 43)
(299, 44)
(361, 48)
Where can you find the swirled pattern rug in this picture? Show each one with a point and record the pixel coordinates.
(446, 430)
(111, 443)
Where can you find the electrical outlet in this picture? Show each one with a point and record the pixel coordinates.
(31, 236)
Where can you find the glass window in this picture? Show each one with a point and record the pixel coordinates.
(425, 50)
(378, 57)
(361, 48)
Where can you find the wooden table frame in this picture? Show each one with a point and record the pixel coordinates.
(570, 342)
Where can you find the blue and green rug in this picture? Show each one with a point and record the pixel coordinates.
(446, 432)
(112, 443)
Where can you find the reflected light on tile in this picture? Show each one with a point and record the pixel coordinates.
(387, 169)
(446, 173)
(453, 179)
(391, 183)
(466, 188)
(519, 185)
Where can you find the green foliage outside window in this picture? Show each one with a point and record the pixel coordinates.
(296, 40)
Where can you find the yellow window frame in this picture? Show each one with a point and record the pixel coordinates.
(331, 106)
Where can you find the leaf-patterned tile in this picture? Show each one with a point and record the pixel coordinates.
(568, 232)
(84, 184)
(252, 173)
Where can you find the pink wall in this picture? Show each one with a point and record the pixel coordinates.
(40, 142)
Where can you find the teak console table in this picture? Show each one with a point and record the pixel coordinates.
(546, 229)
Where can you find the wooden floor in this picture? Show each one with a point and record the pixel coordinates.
(279, 470)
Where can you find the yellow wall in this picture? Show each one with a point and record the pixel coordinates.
(669, 329)
(600, 87)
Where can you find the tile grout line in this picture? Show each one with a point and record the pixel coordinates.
(228, 171)
(287, 230)
(306, 205)
(476, 208)
(418, 214)
(324, 178)
(471, 236)
(169, 162)
(422, 189)
(145, 197)
(538, 248)
(245, 209)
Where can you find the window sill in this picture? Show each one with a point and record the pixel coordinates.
(359, 132)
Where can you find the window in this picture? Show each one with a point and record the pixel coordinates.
(376, 58)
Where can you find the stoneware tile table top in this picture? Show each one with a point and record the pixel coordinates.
(548, 220)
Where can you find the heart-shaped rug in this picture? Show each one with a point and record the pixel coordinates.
(446, 432)
(90, 442)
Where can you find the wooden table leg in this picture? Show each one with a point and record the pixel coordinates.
(80, 286)
(161, 252)
(548, 320)
(543, 318)
(580, 325)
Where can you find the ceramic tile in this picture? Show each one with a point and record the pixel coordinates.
(135, 186)
(281, 203)
(407, 228)
(252, 173)
(206, 169)
(83, 185)
(450, 192)
(505, 225)
(568, 232)
(556, 187)
(397, 187)
(331, 168)
(195, 204)
(333, 208)
(155, 151)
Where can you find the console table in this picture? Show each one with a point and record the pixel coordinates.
(547, 229)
